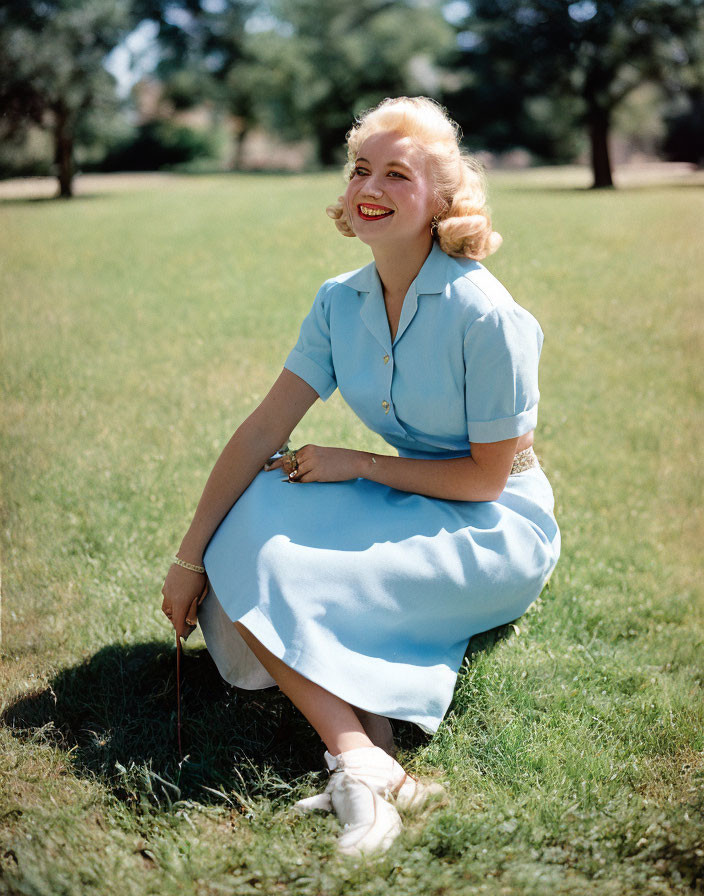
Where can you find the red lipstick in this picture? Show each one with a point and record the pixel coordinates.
(379, 211)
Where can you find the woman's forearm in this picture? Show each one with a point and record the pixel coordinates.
(454, 479)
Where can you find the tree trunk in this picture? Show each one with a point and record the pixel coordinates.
(331, 142)
(236, 162)
(63, 151)
(599, 138)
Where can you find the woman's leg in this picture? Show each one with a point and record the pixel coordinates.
(367, 784)
(378, 728)
(337, 723)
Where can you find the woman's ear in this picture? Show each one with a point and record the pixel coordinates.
(439, 206)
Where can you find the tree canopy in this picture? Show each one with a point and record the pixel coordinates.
(585, 55)
(301, 67)
(51, 71)
(346, 57)
(528, 73)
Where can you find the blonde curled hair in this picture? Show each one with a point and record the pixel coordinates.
(463, 226)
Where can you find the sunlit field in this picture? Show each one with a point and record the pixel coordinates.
(140, 325)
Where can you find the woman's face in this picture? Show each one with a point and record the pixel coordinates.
(390, 198)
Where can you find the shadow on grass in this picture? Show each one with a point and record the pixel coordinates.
(487, 641)
(51, 200)
(114, 717)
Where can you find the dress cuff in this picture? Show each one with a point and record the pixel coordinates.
(312, 373)
(506, 428)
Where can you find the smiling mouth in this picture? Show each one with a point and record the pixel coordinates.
(373, 212)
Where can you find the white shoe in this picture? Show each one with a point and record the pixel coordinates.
(388, 777)
(366, 786)
(371, 824)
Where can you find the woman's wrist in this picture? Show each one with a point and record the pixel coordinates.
(366, 464)
(184, 564)
(190, 552)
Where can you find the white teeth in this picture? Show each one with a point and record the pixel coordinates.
(373, 212)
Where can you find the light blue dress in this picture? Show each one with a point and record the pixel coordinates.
(372, 592)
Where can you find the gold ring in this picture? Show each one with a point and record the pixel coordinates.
(292, 459)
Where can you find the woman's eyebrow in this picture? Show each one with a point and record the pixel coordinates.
(392, 164)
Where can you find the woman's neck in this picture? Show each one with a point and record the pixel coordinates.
(398, 269)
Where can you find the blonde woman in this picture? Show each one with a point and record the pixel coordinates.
(355, 580)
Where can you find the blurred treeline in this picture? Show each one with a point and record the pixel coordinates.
(544, 81)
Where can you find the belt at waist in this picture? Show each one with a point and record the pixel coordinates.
(524, 460)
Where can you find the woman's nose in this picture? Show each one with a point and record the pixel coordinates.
(372, 188)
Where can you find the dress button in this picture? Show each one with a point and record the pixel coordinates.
(386, 359)
(385, 405)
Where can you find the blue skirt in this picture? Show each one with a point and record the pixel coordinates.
(371, 592)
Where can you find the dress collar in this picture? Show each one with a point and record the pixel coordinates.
(430, 280)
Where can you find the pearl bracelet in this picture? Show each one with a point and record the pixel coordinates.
(192, 566)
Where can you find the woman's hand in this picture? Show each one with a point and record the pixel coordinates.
(314, 463)
(183, 591)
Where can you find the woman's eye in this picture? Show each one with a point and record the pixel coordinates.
(397, 174)
(359, 171)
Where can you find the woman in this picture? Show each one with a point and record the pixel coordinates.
(355, 581)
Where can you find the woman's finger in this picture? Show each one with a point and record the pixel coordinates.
(183, 629)
(304, 473)
(192, 614)
(308, 477)
(297, 474)
(273, 464)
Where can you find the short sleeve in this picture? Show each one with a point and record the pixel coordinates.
(501, 354)
(311, 357)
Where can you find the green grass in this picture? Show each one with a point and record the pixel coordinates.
(138, 329)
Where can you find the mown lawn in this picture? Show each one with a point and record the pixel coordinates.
(138, 328)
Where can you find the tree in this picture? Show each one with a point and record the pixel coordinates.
(206, 56)
(684, 120)
(51, 68)
(337, 58)
(303, 68)
(586, 54)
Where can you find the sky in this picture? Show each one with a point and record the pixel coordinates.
(134, 57)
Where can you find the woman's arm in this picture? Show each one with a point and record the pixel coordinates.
(265, 430)
(262, 433)
(481, 477)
